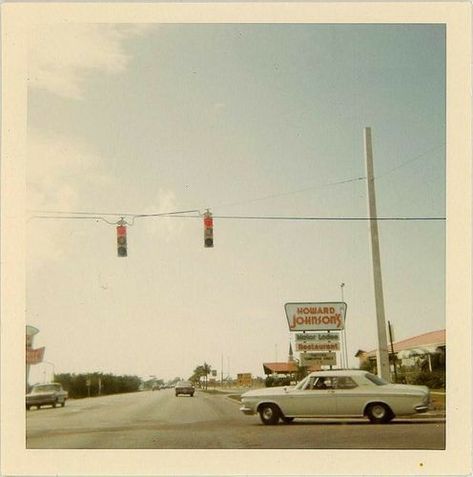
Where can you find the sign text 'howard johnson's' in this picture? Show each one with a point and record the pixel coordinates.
(315, 316)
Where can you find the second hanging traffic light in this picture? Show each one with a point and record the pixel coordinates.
(208, 230)
(121, 241)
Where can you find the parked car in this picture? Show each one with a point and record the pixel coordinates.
(337, 393)
(184, 387)
(50, 394)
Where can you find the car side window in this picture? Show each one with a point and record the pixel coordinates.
(344, 382)
(321, 383)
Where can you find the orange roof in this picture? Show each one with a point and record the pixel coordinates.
(431, 339)
(290, 367)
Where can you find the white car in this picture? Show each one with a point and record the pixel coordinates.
(337, 393)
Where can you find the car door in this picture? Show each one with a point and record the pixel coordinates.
(313, 400)
(349, 399)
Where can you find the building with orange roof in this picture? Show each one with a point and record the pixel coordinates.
(412, 351)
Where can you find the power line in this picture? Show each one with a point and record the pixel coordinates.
(115, 214)
(249, 217)
(346, 181)
(254, 217)
(298, 191)
(414, 159)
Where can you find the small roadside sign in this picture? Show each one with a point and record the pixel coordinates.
(324, 359)
(244, 379)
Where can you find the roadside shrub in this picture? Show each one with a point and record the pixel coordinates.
(434, 379)
(271, 381)
(368, 365)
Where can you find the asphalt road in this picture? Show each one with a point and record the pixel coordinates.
(159, 420)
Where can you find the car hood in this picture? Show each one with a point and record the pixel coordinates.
(268, 391)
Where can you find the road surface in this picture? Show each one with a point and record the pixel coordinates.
(159, 420)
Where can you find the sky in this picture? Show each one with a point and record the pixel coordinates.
(260, 120)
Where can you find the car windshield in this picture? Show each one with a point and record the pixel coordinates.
(376, 379)
(45, 389)
(184, 384)
(302, 384)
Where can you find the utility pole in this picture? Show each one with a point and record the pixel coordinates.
(383, 354)
(392, 351)
(344, 350)
(221, 371)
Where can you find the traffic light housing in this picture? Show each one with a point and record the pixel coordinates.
(121, 241)
(208, 230)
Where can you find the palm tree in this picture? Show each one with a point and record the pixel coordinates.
(206, 368)
(202, 370)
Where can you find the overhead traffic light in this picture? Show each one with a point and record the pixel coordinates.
(208, 230)
(121, 241)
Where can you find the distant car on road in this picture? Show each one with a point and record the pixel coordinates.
(337, 393)
(50, 394)
(184, 387)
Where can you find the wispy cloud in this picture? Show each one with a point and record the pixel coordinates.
(60, 57)
(165, 202)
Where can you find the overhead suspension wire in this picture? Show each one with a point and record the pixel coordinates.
(325, 218)
(328, 184)
(99, 215)
(298, 191)
(414, 159)
(72, 217)
(177, 215)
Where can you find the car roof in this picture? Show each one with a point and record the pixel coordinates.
(338, 372)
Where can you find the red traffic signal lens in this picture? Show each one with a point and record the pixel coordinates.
(121, 241)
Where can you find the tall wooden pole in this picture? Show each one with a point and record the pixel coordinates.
(383, 353)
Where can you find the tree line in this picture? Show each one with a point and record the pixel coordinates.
(95, 384)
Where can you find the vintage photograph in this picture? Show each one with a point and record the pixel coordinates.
(236, 235)
(184, 183)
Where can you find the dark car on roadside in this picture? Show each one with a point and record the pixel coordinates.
(51, 394)
(184, 387)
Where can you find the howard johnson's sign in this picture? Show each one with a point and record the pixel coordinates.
(316, 316)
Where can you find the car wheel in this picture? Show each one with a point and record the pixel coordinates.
(63, 403)
(38, 407)
(28, 407)
(54, 403)
(379, 413)
(177, 394)
(287, 420)
(269, 414)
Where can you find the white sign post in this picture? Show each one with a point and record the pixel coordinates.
(327, 316)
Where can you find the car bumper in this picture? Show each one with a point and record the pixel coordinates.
(422, 408)
(247, 410)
